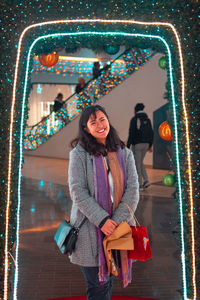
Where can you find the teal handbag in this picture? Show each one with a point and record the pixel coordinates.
(66, 236)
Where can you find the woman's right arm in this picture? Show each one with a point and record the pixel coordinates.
(79, 192)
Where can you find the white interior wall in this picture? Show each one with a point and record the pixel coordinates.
(146, 85)
(45, 93)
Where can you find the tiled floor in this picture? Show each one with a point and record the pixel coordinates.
(45, 273)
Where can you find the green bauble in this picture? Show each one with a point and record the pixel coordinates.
(168, 180)
(162, 62)
(111, 49)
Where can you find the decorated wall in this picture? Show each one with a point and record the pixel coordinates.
(182, 39)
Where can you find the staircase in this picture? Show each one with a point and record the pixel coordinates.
(111, 76)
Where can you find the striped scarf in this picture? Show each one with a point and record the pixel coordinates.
(117, 166)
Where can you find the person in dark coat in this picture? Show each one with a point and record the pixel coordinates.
(83, 99)
(141, 139)
(96, 71)
(58, 102)
(81, 85)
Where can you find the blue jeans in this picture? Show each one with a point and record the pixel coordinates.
(95, 290)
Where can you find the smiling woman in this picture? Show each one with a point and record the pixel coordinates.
(102, 173)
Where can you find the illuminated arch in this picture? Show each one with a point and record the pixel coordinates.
(190, 194)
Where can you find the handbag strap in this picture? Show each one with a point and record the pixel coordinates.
(131, 212)
(82, 223)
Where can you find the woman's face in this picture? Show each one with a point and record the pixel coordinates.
(98, 127)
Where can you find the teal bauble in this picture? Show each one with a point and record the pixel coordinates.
(162, 62)
(71, 49)
(111, 49)
(168, 180)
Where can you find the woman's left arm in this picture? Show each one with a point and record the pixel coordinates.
(131, 194)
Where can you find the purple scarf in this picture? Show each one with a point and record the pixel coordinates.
(102, 195)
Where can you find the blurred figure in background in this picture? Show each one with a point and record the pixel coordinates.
(96, 71)
(83, 99)
(81, 85)
(58, 102)
(141, 138)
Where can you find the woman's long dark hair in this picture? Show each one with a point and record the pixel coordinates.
(88, 142)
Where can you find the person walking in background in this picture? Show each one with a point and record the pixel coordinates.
(58, 102)
(96, 71)
(83, 98)
(81, 85)
(141, 139)
(101, 174)
(106, 72)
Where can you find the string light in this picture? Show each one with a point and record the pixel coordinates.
(173, 100)
(87, 59)
(72, 58)
(66, 67)
(176, 142)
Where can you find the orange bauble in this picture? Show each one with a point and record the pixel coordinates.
(48, 60)
(165, 131)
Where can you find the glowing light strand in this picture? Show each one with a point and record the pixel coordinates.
(186, 125)
(67, 67)
(174, 112)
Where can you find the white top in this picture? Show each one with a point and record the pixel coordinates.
(110, 180)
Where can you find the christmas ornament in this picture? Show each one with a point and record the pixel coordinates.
(168, 180)
(71, 49)
(111, 49)
(162, 62)
(165, 131)
(49, 60)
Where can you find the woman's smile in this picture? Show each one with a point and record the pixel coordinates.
(101, 131)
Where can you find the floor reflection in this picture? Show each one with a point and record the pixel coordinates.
(45, 202)
(45, 273)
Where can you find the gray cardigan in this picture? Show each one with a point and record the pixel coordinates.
(81, 186)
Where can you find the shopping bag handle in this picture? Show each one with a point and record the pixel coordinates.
(131, 212)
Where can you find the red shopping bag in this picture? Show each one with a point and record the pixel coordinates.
(142, 249)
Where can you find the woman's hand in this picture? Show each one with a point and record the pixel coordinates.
(109, 227)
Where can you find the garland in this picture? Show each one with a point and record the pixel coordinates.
(17, 15)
